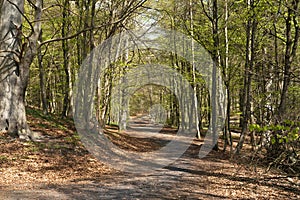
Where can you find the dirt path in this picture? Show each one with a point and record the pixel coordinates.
(188, 178)
(214, 177)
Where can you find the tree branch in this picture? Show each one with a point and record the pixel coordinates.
(205, 12)
(20, 11)
(76, 34)
(124, 15)
(297, 30)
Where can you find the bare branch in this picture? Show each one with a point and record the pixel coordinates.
(20, 11)
(124, 15)
(205, 12)
(278, 37)
(76, 34)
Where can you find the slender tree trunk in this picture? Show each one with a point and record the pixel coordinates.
(66, 64)
(195, 102)
(43, 94)
(216, 59)
(227, 131)
(277, 67)
(123, 102)
(250, 45)
(78, 38)
(290, 52)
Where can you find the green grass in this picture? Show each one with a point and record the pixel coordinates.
(54, 120)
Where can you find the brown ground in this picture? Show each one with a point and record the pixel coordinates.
(59, 167)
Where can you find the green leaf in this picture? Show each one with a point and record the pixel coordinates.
(273, 140)
(254, 127)
(280, 140)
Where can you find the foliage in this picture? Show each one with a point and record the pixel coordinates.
(283, 144)
(262, 34)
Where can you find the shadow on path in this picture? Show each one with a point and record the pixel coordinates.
(213, 177)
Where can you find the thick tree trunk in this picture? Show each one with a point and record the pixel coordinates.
(12, 107)
(15, 60)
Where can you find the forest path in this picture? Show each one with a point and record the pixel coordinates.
(213, 177)
(188, 178)
(142, 126)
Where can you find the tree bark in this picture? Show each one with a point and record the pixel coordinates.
(15, 59)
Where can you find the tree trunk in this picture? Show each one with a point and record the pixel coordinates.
(65, 48)
(216, 59)
(290, 53)
(195, 101)
(42, 79)
(246, 109)
(227, 131)
(15, 60)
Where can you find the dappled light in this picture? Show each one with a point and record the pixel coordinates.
(149, 99)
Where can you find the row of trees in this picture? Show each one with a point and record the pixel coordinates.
(255, 44)
(50, 40)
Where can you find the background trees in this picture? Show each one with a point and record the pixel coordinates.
(254, 43)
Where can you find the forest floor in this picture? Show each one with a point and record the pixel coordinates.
(59, 167)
